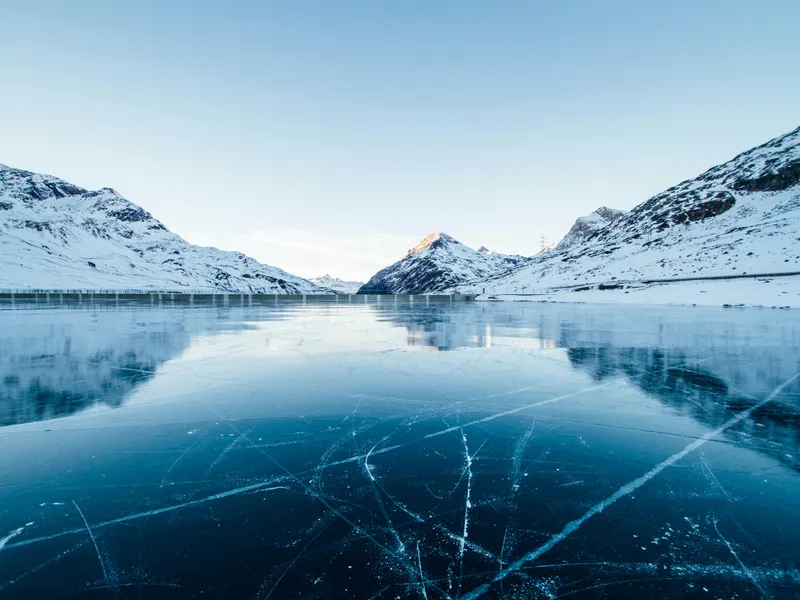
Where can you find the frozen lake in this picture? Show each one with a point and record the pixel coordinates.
(388, 450)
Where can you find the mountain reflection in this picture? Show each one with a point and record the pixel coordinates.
(705, 364)
(711, 398)
(54, 364)
(438, 326)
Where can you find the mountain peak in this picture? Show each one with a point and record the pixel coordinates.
(339, 286)
(446, 264)
(430, 240)
(608, 213)
(589, 225)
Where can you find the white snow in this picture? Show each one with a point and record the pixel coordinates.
(739, 218)
(769, 292)
(54, 235)
(337, 285)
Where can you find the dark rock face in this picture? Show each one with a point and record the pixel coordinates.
(782, 179)
(38, 225)
(131, 214)
(721, 202)
(6, 206)
(609, 214)
(670, 208)
(428, 277)
(32, 187)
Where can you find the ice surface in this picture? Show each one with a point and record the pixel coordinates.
(385, 450)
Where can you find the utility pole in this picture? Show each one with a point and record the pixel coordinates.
(542, 246)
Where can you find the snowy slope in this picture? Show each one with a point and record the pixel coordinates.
(587, 226)
(739, 217)
(337, 285)
(56, 235)
(438, 262)
(768, 292)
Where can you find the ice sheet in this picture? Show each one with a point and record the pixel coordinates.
(385, 450)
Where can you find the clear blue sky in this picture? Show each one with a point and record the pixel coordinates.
(330, 136)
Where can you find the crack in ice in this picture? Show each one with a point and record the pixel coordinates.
(518, 409)
(422, 581)
(512, 411)
(157, 511)
(626, 490)
(94, 541)
(467, 503)
(741, 564)
(10, 537)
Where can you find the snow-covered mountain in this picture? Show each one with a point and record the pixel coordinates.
(740, 217)
(437, 263)
(586, 226)
(337, 285)
(56, 235)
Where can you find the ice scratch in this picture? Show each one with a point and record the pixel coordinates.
(157, 511)
(326, 504)
(422, 581)
(519, 452)
(401, 547)
(221, 456)
(172, 466)
(627, 489)
(503, 547)
(467, 503)
(358, 458)
(10, 537)
(291, 564)
(512, 411)
(741, 564)
(366, 458)
(714, 477)
(211, 467)
(526, 407)
(94, 541)
(41, 566)
(466, 543)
